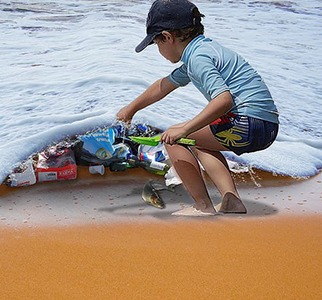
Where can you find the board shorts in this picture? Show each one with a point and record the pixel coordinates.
(242, 134)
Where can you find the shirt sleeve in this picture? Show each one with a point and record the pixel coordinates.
(206, 73)
(179, 76)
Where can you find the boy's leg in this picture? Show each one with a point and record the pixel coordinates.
(208, 152)
(219, 173)
(187, 167)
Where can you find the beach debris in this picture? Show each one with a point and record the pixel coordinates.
(151, 196)
(23, 175)
(97, 169)
(158, 168)
(109, 146)
(172, 178)
(154, 159)
(56, 163)
(97, 147)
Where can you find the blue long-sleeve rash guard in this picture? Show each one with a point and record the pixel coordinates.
(214, 69)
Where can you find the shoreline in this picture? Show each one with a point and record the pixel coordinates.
(115, 197)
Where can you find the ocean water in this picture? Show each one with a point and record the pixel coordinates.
(68, 66)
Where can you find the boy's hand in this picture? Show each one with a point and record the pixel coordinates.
(124, 115)
(173, 133)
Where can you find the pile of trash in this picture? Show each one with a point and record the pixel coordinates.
(99, 149)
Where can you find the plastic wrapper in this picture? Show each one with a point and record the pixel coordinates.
(153, 153)
(23, 175)
(56, 164)
(111, 145)
(172, 178)
(154, 159)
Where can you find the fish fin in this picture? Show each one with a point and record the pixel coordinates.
(160, 186)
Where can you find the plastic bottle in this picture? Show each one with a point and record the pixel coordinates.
(155, 167)
(119, 166)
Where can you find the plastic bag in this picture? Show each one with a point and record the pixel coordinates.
(56, 164)
(23, 175)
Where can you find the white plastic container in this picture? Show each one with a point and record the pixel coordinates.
(99, 169)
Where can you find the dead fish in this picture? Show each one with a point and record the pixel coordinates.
(150, 194)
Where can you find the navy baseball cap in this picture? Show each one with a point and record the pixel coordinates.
(167, 15)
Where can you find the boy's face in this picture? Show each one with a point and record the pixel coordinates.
(167, 47)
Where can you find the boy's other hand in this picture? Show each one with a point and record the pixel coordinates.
(124, 115)
(173, 133)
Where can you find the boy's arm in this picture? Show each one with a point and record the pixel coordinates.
(215, 109)
(157, 91)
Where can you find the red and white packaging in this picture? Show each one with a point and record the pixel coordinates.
(23, 175)
(55, 165)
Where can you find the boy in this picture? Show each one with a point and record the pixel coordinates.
(240, 116)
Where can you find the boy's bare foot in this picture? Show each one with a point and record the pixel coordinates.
(191, 211)
(232, 204)
(205, 207)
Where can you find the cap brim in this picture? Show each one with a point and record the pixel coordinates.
(148, 40)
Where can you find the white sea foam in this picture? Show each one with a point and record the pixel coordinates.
(68, 67)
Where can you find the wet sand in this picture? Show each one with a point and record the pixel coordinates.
(85, 239)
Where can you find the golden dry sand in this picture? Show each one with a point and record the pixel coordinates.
(273, 258)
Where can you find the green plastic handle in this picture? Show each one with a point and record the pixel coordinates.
(186, 141)
(154, 140)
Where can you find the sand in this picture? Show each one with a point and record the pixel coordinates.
(94, 238)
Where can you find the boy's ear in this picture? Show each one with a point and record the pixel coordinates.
(168, 36)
